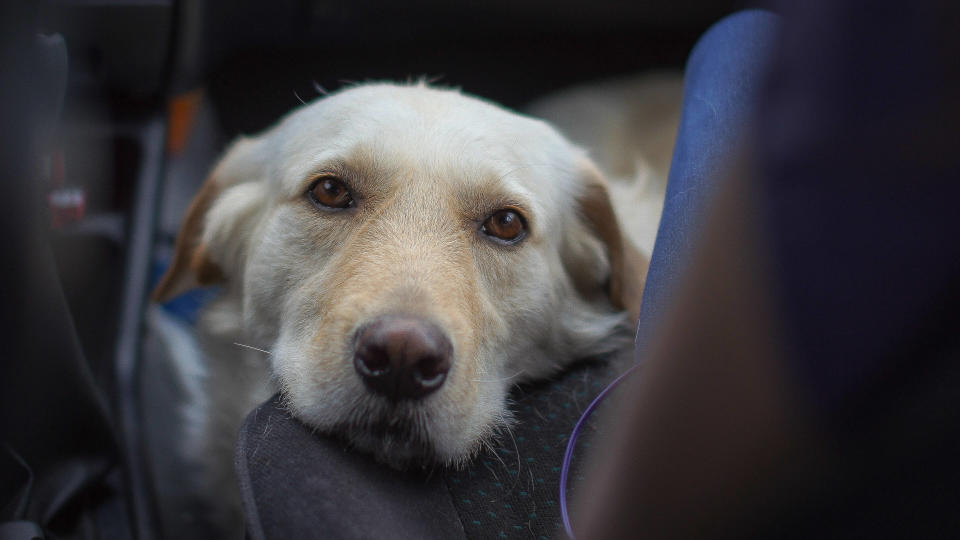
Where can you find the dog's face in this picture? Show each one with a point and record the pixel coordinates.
(407, 254)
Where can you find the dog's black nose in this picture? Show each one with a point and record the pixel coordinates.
(402, 356)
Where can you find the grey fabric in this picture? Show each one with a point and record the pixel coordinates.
(297, 485)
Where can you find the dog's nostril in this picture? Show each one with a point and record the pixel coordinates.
(431, 371)
(402, 356)
(371, 360)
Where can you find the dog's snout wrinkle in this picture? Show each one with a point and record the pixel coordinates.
(402, 357)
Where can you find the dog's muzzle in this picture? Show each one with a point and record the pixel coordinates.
(402, 357)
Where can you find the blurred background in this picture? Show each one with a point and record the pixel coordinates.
(156, 88)
(114, 111)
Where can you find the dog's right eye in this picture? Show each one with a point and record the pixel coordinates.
(330, 192)
(506, 226)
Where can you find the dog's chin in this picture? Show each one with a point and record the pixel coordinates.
(396, 434)
(400, 438)
(409, 434)
(396, 443)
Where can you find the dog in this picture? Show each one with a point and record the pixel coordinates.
(396, 257)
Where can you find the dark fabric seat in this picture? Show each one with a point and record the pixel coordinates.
(299, 484)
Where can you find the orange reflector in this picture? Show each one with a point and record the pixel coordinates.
(180, 116)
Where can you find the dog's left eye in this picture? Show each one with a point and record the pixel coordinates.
(506, 226)
(330, 192)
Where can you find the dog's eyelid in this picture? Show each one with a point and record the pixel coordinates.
(511, 205)
(484, 206)
(340, 173)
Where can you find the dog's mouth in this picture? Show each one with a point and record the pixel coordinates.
(399, 438)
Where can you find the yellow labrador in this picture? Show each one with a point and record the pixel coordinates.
(406, 254)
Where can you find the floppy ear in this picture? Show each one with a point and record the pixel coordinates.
(192, 264)
(627, 266)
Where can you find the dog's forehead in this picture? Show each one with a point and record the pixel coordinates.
(428, 129)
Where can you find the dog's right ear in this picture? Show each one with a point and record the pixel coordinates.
(627, 267)
(192, 264)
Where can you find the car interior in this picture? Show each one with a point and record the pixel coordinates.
(152, 91)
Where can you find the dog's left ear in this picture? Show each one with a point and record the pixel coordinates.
(191, 267)
(627, 266)
(198, 257)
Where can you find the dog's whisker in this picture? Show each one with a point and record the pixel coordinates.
(516, 450)
(532, 165)
(503, 379)
(424, 80)
(264, 351)
(300, 99)
(496, 454)
(320, 89)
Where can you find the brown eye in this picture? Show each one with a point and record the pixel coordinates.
(505, 225)
(330, 192)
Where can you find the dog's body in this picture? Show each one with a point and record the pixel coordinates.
(402, 255)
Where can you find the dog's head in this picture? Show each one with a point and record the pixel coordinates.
(407, 254)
